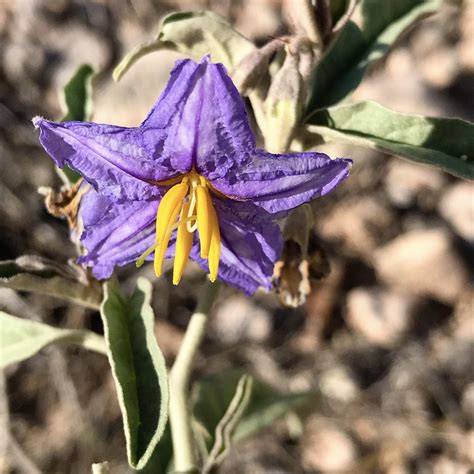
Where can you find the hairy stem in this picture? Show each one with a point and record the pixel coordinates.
(180, 417)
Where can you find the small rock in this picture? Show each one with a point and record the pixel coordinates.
(462, 324)
(238, 319)
(465, 49)
(467, 403)
(128, 102)
(446, 465)
(433, 50)
(423, 262)
(457, 207)
(359, 224)
(258, 19)
(89, 49)
(337, 383)
(381, 316)
(408, 184)
(327, 448)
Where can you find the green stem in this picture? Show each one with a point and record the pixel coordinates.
(180, 417)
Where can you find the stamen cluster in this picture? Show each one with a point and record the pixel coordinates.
(187, 207)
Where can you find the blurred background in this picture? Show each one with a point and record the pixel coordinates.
(387, 338)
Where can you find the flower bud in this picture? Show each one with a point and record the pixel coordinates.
(253, 67)
(284, 104)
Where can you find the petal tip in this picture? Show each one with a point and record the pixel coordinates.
(206, 59)
(37, 121)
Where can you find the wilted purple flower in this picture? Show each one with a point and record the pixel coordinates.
(191, 165)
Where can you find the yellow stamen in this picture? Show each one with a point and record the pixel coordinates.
(215, 247)
(203, 219)
(190, 199)
(192, 207)
(166, 216)
(184, 242)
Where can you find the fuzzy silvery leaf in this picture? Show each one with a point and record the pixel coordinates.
(138, 368)
(341, 70)
(22, 338)
(39, 275)
(446, 143)
(194, 34)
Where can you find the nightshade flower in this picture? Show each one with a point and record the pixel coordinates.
(188, 182)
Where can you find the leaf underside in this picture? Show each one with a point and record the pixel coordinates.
(446, 143)
(39, 275)
(22, 338)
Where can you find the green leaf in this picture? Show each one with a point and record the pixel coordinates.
(76, 97)
(76, 103)
(22, 338)
(160, 461)
(212, 396)
(338, 9)
(226, 426)
(138, 368)
(442, 142)
(39, 275)
(194, 34)
(346, 61)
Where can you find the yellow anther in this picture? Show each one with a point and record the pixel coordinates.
(190, 199)
(215, 247)
(204, 205)
(166, 217)
(184, 242)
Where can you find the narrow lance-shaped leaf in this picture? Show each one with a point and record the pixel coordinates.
(227, 424)
(194, 34)
(22, 338)
(446, 143)
(76, 103)
(138, 368)
(212, 396)
(76, 97)
(346, 61)
(39, 275)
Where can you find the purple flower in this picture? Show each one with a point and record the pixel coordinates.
(191, 165)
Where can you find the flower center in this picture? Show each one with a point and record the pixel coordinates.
(186, 206)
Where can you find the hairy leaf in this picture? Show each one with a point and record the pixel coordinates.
(22, 338)
(194, 34)
(138, 368)
(212, 396)
(39, 275)
(346, 61)
(227, 424)
(442, 142)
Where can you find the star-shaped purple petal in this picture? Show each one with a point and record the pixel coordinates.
(199, 130)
